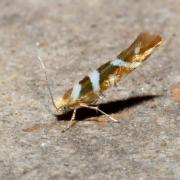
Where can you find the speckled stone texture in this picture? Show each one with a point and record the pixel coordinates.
(74, 37)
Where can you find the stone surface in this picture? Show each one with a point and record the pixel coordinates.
(74, 37)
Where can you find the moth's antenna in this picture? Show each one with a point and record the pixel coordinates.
(47, 82)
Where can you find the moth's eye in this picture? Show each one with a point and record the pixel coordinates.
(64, 108)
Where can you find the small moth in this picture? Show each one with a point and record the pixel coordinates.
(87, 91)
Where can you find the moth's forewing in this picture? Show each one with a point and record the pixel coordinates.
(110, 73)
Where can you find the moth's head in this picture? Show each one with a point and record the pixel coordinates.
(62, 106)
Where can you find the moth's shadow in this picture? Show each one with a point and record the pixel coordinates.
(109, 108)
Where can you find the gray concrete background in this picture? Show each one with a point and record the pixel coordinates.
(74, 37)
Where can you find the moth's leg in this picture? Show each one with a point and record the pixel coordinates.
(102, 112)
(100, 97)
(71, 121)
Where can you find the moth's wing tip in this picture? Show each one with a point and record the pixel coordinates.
(147, 37)
(143, 42)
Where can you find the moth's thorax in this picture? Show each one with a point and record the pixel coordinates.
(66, 103)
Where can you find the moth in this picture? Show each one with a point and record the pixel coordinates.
(88, 90)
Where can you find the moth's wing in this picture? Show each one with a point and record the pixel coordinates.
(141, 48)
